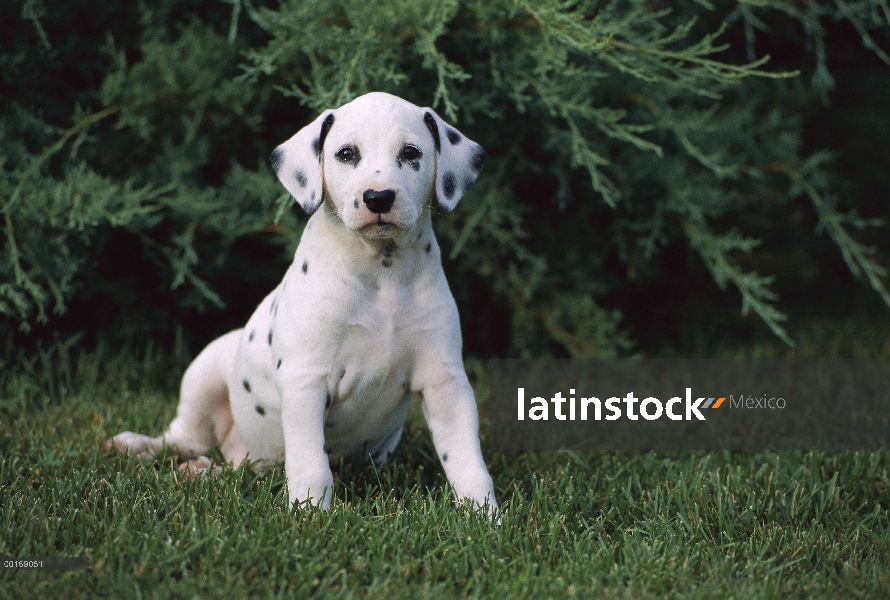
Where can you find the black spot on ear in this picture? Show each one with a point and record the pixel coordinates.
(430, 121)
(468, 183)
(445, 457)
(428, 246)
(260, 410)
(250, 337)
(278, 364)
(305, 266)
(276, 158)
(453, 136)
(300, 176)
(448, 184)
(478, 159)
(318, 143)
(246, 385)
(270, 337)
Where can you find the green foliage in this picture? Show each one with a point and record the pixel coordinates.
(615, 130)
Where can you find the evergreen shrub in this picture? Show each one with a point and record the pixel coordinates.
(630, 143)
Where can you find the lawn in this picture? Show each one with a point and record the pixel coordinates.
(607, 524)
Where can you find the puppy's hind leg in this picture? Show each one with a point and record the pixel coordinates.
(203, 417)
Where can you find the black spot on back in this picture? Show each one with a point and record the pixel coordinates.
(246, 385)
(448, 184)
(445, 457)
(318, 143)
(276, 158)
(260, 410)
(278, 364)
(430, 121)
(250, 337)
(305, 266)
(300, 176)
(453, 136)
(270, 337)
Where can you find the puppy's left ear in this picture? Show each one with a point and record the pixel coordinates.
(298, 162)
(458, 160)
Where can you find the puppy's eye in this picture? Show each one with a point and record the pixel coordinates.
(410, 153)
(348, 154)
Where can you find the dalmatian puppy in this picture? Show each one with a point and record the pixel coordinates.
(327, 365)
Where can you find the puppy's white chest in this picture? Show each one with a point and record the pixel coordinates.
(361, 347)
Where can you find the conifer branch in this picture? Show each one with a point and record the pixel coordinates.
(859, 258)
(39, 161)
(22, 280)
(867, 40)
(649, 58)
(495, 181)
(714, 251)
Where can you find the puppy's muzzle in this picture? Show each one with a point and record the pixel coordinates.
(379, 202)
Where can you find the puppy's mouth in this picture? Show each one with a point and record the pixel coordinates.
(378, 229)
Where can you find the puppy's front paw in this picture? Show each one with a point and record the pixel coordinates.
(318, 491)
(197, 466)
(133, 444)
(477, 490)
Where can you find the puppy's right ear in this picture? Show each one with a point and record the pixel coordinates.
(298, 162)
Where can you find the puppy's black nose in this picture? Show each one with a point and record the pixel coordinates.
(379, 202)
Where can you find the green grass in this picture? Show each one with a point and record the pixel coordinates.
(622, 525)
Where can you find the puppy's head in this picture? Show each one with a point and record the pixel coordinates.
(377, 162)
